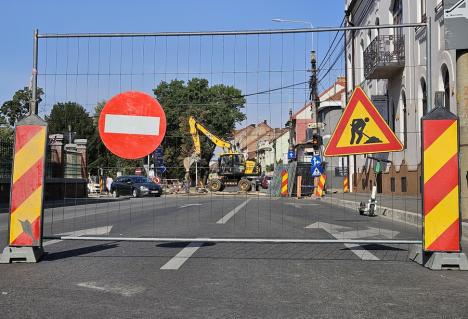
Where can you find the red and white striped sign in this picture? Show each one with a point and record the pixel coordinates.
(132, 124)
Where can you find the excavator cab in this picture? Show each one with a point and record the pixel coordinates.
(231, 164)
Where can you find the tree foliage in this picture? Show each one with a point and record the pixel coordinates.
(70, 115)
(13, 110)
(218, 107)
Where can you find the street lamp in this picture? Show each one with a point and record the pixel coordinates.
(297, 21)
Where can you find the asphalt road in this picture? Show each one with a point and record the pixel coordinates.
(116, 279)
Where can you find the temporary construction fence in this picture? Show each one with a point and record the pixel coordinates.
(270, 80)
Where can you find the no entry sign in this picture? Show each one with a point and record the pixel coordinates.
(132, 124)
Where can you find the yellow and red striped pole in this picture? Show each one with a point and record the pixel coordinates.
(441, 194)
(345, 184)
(27, 183)
(321, 185)
(284, 183)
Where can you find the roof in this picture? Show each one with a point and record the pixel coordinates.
(308, 104)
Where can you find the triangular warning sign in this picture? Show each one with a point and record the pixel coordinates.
(316, 172)
(361, 130)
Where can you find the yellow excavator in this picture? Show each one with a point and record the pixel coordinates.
(233, 168)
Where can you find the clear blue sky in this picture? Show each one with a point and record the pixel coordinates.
(18, 19)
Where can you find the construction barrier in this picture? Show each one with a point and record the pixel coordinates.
(345, 184)
(284, 183)
(440, 177)
(441, 191)
(26, 205)
(319, 190)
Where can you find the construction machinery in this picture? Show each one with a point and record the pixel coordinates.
(233, 168)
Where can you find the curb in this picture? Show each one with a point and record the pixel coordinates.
(389, 213)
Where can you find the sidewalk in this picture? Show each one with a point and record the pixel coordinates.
(406, 209)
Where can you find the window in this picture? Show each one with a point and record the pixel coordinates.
(397, 11)
(405, 120)
(361, 55)
(422, 8)
(446, 78)
(404, 185)
(424, 96)
(377, 22)
(392, 184)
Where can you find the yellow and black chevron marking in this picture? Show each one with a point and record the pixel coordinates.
(27, 185)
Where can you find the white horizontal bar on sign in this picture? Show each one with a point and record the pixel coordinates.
(131, 124)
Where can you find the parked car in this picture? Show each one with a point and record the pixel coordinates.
(135, 186)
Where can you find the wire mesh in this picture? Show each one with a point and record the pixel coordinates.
(265, 79)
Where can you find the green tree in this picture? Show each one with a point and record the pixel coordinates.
(13, 110)
(70, 115)
(218, 107)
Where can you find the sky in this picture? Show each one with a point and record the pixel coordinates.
(93, 70)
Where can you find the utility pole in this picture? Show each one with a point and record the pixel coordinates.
(291, 137)
(462, 106)
(313, 96)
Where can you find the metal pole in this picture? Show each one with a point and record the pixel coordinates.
(239, 32)
(196, 174)
(241, 240)
(33, 103)
(429, 62)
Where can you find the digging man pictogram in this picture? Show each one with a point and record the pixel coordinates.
(357, 129)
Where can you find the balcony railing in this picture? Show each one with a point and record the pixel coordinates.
(384, 57)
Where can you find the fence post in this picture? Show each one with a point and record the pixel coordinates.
(441, 191)
(27, 190)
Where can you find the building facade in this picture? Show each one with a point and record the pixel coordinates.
(391, 65)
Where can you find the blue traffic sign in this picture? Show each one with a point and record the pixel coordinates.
(316, 168)
(316, 160)
(161, 169)
(316, 171)
(291, 155)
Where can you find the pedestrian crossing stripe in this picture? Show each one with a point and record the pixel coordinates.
(361, 130)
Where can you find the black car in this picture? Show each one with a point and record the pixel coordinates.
(135, 186)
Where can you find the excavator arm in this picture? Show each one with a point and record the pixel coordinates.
(195, 127)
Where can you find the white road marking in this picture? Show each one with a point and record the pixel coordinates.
(178, 260)
(300, 205)
(98, 231)
(132, 124)
(229, 215)
(126, 291)
(343, 232)
(188, 205)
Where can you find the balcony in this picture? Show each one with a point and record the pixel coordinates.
(384, 57)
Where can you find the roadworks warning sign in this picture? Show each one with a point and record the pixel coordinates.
(362, 130)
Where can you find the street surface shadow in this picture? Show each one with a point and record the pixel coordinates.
(375, 247)
(181, 245)
(77, 252)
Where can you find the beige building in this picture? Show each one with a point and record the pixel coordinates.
(391, 66)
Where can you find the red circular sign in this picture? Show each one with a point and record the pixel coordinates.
(132, 124)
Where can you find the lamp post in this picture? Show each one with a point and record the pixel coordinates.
(297, 21)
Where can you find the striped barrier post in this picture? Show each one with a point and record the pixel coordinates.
(345, 184)
(441, 191)
(319, 190)
(284, 184)
(26, 198)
